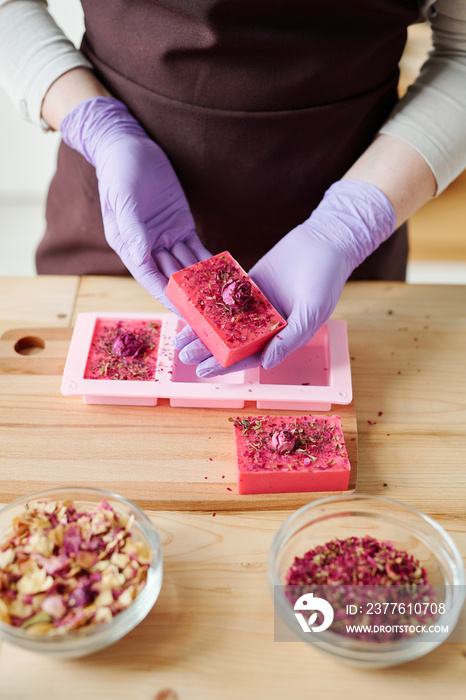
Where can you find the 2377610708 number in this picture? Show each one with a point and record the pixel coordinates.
(418, 608)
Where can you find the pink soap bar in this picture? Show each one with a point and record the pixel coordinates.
(224, 307)
(290, 454)
(123, 349)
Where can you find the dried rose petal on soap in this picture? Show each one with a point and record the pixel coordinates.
(237, 292)
(64, 567)
(283, 441)
(127, 345)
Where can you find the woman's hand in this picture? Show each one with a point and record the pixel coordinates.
(146, 216)
(304, 273)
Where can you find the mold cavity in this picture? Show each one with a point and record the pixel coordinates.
(187, 374)
(308, 366)
(30, 345)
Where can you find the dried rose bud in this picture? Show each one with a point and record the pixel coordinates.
(283, 441)
(237, 292)
(127, 345)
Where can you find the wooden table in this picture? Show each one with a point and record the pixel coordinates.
(210, 634)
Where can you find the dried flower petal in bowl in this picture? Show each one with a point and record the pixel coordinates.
(72, 564)
(387, 579)
(361, 576)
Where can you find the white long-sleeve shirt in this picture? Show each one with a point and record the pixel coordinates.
(431, 117)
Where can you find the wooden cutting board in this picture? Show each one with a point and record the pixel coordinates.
(160, 457)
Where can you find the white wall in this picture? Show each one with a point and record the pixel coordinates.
(27, 155)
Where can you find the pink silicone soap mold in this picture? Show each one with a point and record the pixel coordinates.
(129, 358)
(224, 308)
(290, 454)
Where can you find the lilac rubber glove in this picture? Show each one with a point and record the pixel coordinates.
(146, 217)
(304, 273)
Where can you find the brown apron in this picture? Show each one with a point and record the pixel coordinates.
(259, 104)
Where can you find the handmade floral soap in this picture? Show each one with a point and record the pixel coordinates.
(123, 349)
(291, 454)
(224, 307)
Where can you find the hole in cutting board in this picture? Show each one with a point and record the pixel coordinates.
(29, 345)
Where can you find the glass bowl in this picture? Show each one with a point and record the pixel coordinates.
(86, 640)
(384, 519)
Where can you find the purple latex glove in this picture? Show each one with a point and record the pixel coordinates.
(304, 273)
(146, 217)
